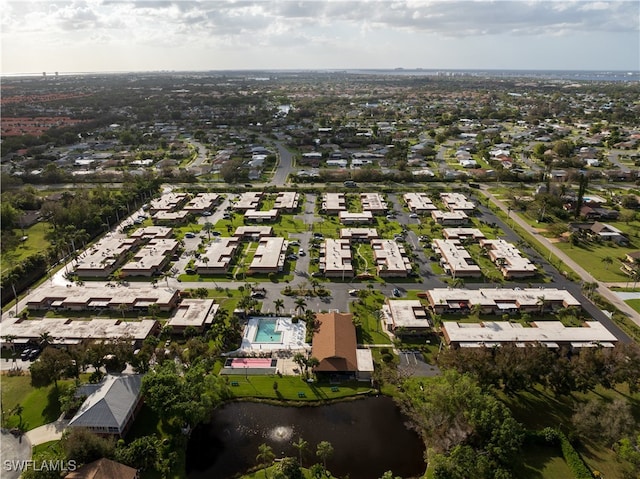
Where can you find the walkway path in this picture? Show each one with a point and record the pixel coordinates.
(49, 432)
(602, 289)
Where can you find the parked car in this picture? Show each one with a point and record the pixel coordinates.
(301, 252)
(396, 292)
(413, 215)
(353, 292)
(216, 233)
(25, 354)
(294, 243)
(292, 256)
(189, 235)
(34, 354)
(206, 213)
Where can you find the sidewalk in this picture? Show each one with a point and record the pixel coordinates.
(603, 290)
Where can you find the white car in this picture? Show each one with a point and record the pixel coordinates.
(413, 215)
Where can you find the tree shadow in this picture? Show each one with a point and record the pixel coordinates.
(52, 410)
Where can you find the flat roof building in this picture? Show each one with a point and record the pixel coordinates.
(508, 259)
(552, 334)
(472, 234)
(249, 200)
(69, 332)
(455, 259)
(450, 218)
(96, 297)
(335, 258)
(333, 203)
(202, 202)
(419, 202)
(168, 202)
(150, 232)
(359, 234)
(405, 317)
(253, 233)
(287, 201)
(261, 216)
(219, 254)
(151, 258)
(499, 301)
(197, 313)
(104, 257)
(269, 256)
(170, 217)
(373, 202)
(390, 258)
(349, 218)
(457, 202)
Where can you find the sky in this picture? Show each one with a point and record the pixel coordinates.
(148, 35)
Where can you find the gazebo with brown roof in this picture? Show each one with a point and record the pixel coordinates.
(104, 469)
(334, 344)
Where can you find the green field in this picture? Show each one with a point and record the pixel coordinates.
(590, 258)
(291, 388)
(35, 243)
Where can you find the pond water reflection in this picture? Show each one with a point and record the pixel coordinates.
(369, 437)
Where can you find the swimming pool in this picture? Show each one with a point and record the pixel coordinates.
(266, 331)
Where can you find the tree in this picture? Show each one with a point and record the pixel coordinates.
(324, 451)
(608, 261)
(265, 456)
(45, 339)
(278, 305)
(83, 446)
(52, 365)
(301, 446)
(288, 468)
(301, 304)
(143, 453)
(605, 421)
(208, 227)
(153, 309)
(301, 360)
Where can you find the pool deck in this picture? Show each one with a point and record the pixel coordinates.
(292, 338)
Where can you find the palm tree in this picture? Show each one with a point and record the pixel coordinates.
(301, 304)
(312, 362)
(265, 456)
(123, 308)
(45, 339)
(278, 304)
(540, 302)
(300, 360)
(301, 445)
(153, 310)
(324, 451)
(208, 227)
(608, 261)
(10, 339)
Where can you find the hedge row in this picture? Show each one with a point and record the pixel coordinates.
(554, 437)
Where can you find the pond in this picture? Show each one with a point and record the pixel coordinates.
(369, 437)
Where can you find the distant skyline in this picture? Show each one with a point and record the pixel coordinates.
(147, 35)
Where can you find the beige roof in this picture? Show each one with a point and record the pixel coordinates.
(456, 258)
(103, 469)
(248, 201)
(419, 202)
(372, 202)
(270, 254)
(390, 257)
(514, 262)
(335, 256)
(194, 312)
(334, 202)
(406, 313)
(457, 202)
(202, 202)
(286, 200)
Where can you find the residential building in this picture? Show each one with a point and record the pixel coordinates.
(450, 218)
(499, 300)
(110, 406)
(333, 203)
(90, 297)
(253, 233)
(455, 259)
(405, 317)
(335, 258)
(104, 257)
(217, 256)
(508, 259)
(373, 202)
(552, 334)
(168, 202)
(152, 232)
(170, 217)
(419, 202)
(152, 258)
(462, 234)
(269, 256)
(249, 200)
(196, 313)
(261, 216)
(457, 202)
(103, 469)
(287, 201)
(350, 218)
(203, 202)
(390, 258)
(359, 234)
(66, 332)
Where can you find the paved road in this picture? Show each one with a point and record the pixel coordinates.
(579, 270)
(285, 166)
(49, 432)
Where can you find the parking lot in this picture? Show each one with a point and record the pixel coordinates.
(412, 363)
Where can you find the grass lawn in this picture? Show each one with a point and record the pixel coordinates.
(41, 405)
(291, 388)
(36, 243)
(591, 255)
(53, 446)
(269, 472)
(365, 309)
(634, 303)
(541, 462)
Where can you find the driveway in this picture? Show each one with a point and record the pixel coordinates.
(14, 448)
